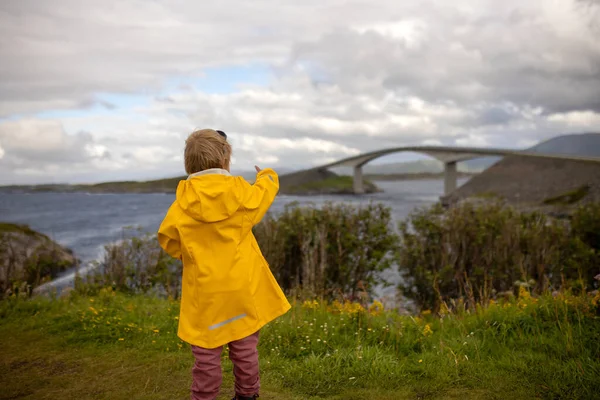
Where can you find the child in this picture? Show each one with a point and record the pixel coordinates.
(228, 291)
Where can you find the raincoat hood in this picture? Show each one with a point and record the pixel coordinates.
(210, 196)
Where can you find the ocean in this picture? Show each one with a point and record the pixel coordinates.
(86, 222)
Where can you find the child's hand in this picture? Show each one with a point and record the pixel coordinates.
(257, 169)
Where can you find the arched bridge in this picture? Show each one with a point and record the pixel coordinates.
(446, 154)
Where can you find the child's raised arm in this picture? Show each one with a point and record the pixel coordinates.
(260, 196)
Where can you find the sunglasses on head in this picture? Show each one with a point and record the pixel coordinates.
(222, 134)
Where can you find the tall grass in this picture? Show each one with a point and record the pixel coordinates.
(527, 347)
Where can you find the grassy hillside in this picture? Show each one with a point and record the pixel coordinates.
(113, 346)
(330, 185)
(156, 186)
(302, 182)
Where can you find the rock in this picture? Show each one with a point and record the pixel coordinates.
(29, 258)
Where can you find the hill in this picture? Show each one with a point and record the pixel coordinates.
(309, 182)
(541, 182)
(585, 144)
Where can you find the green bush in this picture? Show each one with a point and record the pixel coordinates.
(478, 253)
(336, 249)
(586, 226)
(136, 264)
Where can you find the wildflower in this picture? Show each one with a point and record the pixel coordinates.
(311, 305)
(425, 313)
(155, 330)
(427, 331)
(121, 339)
(92, 309)
(353, 308)
(524, 293)
(376, 308)
(336, 307)
(420, 361)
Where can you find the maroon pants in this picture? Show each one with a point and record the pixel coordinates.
(207, 374)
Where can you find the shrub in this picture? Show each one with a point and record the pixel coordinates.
(481, 252)
(136, 264)
(336, 249)
(586, 226)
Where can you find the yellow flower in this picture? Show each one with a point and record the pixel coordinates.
(524, 293)
(92, 309)
(155, 331)
(420, 361)
(336, 306)
(121, 339)
(376, 308)
(311, 305)
(353, 308)
(425, 313)
(427, 331)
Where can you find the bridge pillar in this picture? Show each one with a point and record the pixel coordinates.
(450, 177)
(358, 183)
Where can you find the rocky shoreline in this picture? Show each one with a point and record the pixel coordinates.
(29, 259)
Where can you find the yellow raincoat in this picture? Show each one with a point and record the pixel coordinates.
(228, 290)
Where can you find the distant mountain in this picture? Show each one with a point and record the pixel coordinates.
(250, 176)
(535, 182)
(585, 144)
(409, 167)
(430, 166)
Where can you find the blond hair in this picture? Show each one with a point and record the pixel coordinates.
(206, 149)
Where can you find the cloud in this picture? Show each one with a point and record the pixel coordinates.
(543, 56)
(112, 86)
(35, 150)
(36, 142)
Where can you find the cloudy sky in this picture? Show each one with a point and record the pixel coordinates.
(104, 90)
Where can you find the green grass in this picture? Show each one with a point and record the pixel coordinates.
(569, 198)
(334, 184)
(115, 346)
(6, 227)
